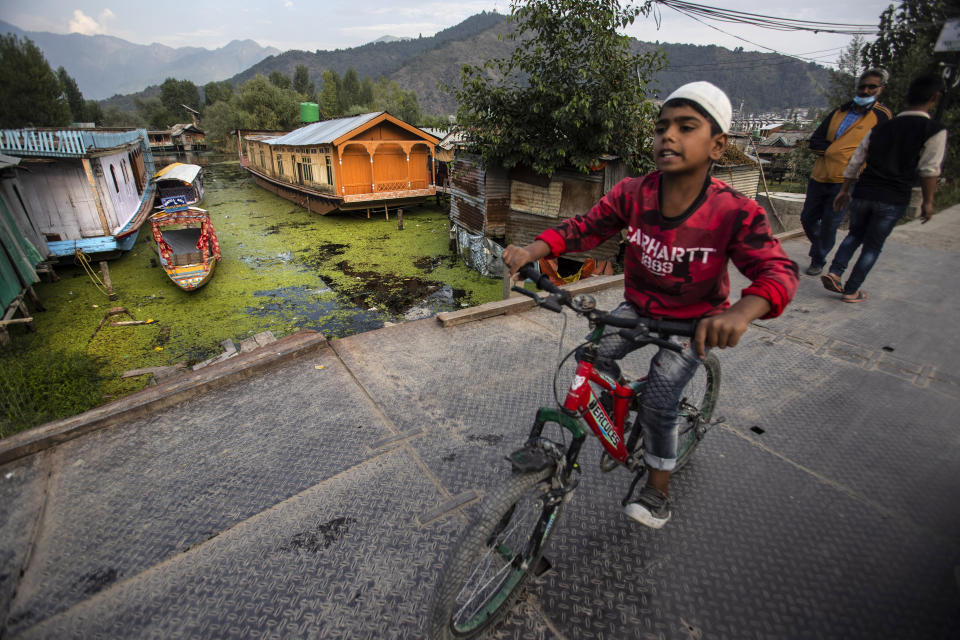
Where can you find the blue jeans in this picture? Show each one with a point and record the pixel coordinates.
(820, 222)
(870, 224)
(669, 373)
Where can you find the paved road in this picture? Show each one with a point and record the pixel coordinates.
(319, 499)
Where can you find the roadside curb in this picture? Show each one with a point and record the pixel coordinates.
(165, 394)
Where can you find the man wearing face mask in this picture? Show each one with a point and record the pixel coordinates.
(834, 142)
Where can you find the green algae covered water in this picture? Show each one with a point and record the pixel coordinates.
(283, 269)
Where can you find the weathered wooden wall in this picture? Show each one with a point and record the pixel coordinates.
(115, 180)
(60, 200)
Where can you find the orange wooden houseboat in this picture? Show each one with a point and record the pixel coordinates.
(368, 161)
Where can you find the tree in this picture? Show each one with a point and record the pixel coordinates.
(329, 100)
(152, 112)
(214, 92)
(301, 81)
(904, 47)
(174, 95)
(849, 67)
(349, 93)
(30, 93)
(279, 80)
(571, 91)
(71, 92)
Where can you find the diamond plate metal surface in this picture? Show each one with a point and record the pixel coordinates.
(22, 487)
(342, 559)
(127, 498)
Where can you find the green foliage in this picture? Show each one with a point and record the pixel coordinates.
(843, 79)
(30, 92)
(152, 112)
(258, 104)
(214, 92)
(280, 80)
(389, 97)
(904, 47)
(174, 94)
(800, 163)
(329, 98)
(72, 94)
(116, 117)
(349, 93)
(301, 81)
(571, 91)
(40, 386)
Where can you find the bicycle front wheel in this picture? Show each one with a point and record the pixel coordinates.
(696, 407)
(495, 557)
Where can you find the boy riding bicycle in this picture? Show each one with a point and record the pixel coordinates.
(682, 227)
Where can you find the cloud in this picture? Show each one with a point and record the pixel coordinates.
(82, 23)
(288, 4)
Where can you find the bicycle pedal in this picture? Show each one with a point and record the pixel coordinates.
(527, 459)
(543, 565)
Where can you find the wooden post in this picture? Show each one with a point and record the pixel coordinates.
(506, 282)
(105, 272)
(368, 213)
(386, 212)
(96, 195)
(399, 219)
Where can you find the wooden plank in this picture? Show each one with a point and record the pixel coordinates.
(27, 320)
(487, 310)
(522, 303)
(96, 195)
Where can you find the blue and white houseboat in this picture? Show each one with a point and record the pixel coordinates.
(82, 189)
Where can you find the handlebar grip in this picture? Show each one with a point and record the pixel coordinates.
(541, 280)
(683, 328)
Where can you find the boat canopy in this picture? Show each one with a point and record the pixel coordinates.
(178, 171)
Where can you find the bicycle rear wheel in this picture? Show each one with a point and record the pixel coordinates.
(696, 407)
(495, 557)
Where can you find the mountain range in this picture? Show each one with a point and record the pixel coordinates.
(103, 65)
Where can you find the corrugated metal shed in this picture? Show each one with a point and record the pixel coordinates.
(323, 132)
(742, 177)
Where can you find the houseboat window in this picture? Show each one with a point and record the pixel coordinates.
(307, 170)
(262, 161)
(123, 167)
(280, 165)
(329, 171)
(113, 174)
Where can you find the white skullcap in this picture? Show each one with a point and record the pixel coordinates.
(713, 100)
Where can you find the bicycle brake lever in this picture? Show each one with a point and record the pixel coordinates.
(552, 303)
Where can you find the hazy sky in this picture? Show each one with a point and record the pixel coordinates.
(321, 24)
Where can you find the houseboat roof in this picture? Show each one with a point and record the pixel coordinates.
(67, 142)
(330, 131)
(324, 132)
(178, 171)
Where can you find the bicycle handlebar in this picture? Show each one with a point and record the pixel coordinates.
(641, 328)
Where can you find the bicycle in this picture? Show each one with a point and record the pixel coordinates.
(504, 544)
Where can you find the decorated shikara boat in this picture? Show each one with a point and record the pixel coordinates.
(186, 242)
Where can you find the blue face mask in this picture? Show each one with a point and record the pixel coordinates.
(862, 101)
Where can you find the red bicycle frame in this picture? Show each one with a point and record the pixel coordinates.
(581, 399)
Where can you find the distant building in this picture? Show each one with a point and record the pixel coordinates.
(179, 137)
(80, 189)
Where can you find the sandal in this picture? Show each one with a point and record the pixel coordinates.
(831, 282)
(859, 296)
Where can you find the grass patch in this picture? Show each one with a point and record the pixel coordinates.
(40, 387)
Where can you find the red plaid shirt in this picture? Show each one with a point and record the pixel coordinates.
(677, 267)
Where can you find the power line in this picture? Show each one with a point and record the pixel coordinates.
(766, 21)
